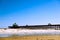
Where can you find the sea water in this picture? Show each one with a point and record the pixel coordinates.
(23, 32)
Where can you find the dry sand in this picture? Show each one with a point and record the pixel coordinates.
(41, 37)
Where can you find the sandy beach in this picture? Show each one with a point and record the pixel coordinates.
(40, 37)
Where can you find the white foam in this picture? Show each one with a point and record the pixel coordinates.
(29, 31)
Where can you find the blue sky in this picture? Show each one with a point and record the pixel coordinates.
(30, 12)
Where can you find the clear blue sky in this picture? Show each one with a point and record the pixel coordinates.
(31, 12)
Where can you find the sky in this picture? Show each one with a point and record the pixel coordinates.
(29, 12)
